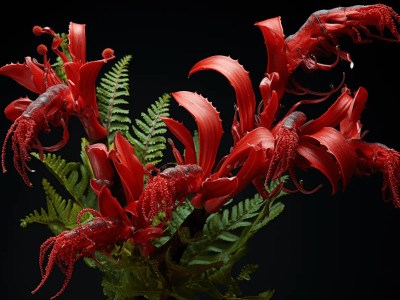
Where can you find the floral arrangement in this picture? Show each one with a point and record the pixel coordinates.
(178, 229)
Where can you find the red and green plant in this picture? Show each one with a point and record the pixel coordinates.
(175, 230)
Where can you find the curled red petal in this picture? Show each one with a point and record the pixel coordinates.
(333, 116)
(275, 41)
(338, 146)
(351, 127)
(29, 75)
(208, 123)
(184, 135)
(322, 161)
(110, 207)
(77, 42)
(16, 108)
(260, 136)
(239, 78)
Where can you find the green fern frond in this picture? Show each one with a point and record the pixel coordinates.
(226, 233)
(148, 133)
(114, 85)
(246, 271)
(74, 176)
(60, 215)
(178, 217)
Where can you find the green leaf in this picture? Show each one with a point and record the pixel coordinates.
(74, 176)
(60, 215)
(113, 87)
(148, 132)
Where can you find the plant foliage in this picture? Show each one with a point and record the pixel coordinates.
(114, 86)
(148, 133)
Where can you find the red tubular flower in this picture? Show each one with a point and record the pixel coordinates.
(57, 100)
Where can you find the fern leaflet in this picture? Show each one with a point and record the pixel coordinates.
(114, 85)
(147, 137)
(60, 215)
(74, 176)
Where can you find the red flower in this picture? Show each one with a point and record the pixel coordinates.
(57, 100)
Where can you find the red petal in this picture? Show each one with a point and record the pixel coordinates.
(110, 207)
(351, 126)
(239, 79)
(28, 75)
(100, 163)
(77, 42)
(219, 187)
(143, 236)
(16, 108)
(260, 136)
(253, 167)
(322, 161)
(275, 41)
(340, 149)
(128, 167)
(332, 117)
(208, 123)
(184, 135)
(87, 83)
(271, 103)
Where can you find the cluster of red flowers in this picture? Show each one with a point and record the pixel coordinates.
(266, 145)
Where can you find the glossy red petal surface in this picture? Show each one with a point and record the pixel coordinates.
(28, 75)
(275, 41)
(338, 146)
(219, 187)
(16, 108)
(322, 161)
(128, 167)
(208, 123)
(260, 136)
(240, 80)
(77, 42)
(184, 135)
(110, 207)
(332, 117)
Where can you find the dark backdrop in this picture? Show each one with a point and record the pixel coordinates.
(322, 246)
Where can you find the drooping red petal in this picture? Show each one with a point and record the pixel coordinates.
(338, 146)
(145, 235)
(128, 167)
(184, 135)
(275, 41)
(28, 75)
(322, 161)
(333, 116)
(260, 136)
(77, 42)
(16, 108)
(208, 123)
(110, 207)
(239, 78)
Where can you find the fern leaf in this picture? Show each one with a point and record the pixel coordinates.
(178, 217)
(60, 215)
(114, 85)
(74, 176)
(148, 132)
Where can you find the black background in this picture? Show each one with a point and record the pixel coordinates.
(322, 246)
